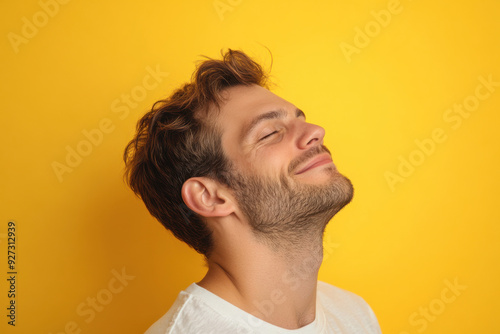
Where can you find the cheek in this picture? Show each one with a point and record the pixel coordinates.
(272, 162)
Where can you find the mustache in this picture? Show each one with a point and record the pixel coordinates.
(306, 156)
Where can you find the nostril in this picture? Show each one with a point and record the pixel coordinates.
(312, 141)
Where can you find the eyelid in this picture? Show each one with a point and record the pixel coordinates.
(278, 129)
(268, 135)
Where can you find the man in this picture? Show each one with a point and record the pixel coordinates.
(238, 174)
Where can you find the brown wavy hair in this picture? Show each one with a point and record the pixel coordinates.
(178, 139)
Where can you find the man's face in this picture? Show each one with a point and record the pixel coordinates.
(283, 177)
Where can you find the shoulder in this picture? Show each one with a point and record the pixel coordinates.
(168, 321)
(196, 311)
(347, 306)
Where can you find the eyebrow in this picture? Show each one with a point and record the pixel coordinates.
(274, 114)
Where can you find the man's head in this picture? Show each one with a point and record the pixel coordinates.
(226, 130)
(282, 175)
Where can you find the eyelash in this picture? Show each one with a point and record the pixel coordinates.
(269, 135)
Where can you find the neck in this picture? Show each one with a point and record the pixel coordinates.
(277, 285)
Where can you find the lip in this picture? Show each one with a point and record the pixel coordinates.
(319, 160)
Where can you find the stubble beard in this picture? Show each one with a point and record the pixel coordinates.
(285, 214)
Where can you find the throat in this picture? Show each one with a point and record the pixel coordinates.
(277, 286)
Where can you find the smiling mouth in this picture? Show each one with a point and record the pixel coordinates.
(319, 160)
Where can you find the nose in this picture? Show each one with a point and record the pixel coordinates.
(310, 135)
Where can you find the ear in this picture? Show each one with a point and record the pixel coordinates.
(207, 197)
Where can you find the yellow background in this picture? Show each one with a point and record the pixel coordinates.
(395, 246)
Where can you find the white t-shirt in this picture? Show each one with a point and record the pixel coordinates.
(199, 311)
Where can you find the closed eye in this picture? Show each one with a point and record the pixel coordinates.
(268, 135)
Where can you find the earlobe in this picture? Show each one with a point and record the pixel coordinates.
(206, 197)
